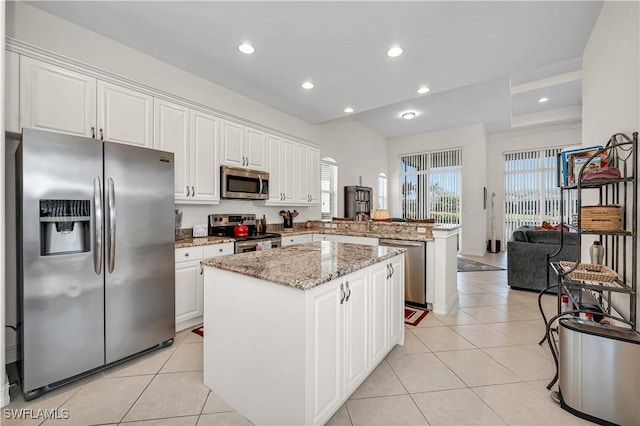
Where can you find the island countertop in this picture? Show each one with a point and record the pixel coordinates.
(304, 266)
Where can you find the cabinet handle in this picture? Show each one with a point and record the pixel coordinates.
(101, 135)
(387, 277)
(283, 196)
(342, 291)
(93, 132)
(186, 255)
(201, 269)
(193, 191)
(188, 193)
(348, 294)
(220, 250)
(393, 271)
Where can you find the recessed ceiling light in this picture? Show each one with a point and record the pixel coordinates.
(423, 90)
(409, 115)
(307, 85)
(348, 110)
(246, 48)
(394, 52)
(543, 100)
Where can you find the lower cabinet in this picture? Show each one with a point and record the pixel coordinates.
(190, 282)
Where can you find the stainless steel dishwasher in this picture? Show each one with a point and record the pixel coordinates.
(415, 284)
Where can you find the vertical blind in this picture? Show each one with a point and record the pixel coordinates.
(431, 185)
(328, 190)
(531, 189)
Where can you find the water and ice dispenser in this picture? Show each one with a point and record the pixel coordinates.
(65, 226)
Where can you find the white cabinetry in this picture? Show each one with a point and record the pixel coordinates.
(290, 240)
(192, 136)
(12, 92)
(172, 134)
(241, 146)
(308, 160)
(124, 115)
(190, 279)
(59, 100)
(282, 171)
(56, 99)
(386, 302)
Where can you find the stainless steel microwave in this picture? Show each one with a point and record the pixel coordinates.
(243, 183)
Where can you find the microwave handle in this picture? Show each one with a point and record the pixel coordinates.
(260, 189)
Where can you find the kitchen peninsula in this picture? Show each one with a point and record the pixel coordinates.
(290, 333)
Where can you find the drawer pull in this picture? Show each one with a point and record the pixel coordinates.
(186, 254)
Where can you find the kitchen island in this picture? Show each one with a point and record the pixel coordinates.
(291, 333)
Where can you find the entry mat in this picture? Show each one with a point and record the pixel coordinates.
(413, 315)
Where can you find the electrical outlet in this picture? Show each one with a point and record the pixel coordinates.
(421, 230)
(327, 225)
(334, 225)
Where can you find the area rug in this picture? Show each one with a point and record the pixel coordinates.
(466, 265)
(199, 330)
(413, 315)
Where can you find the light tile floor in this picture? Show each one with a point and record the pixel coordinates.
(481, 365)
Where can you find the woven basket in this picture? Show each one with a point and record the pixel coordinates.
(601, 218)
(590, 272)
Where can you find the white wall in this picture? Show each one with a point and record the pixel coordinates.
(611, 77)
(349, 142)
(563, 135)
(473, 141)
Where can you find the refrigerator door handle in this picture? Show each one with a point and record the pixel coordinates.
(99, 227)
(112, 225)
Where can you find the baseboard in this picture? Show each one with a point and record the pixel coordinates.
(445, 309)
(183, 325)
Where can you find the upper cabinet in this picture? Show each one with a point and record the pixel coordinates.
(282, 171)
(12, 92)
(203, 158)
(308, 159)
(172, 134)
(124, 115)
(242, 146)
(56, 99)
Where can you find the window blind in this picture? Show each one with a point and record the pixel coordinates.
(328, 190)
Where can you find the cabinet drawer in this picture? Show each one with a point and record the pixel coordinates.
(215, 250)
(188, 253)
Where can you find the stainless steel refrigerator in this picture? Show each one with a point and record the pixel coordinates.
(96, 281)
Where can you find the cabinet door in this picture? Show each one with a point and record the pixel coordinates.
(231, 144)
(56, 99)
(302, 181)
(395, 285)
(172, 134)
(189, 291)
(288, 171)
(356, 336)
(313, 175)
(274, 166)
(378, 318)
(326, 349)
(255, 149)
(203, 153)
(12, 92)
(124, 115)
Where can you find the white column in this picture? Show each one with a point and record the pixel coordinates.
(445, 270)
(4, 381)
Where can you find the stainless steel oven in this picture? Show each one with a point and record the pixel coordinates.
(263, 243)
(243, 183)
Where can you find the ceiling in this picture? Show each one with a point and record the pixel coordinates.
(470, 54)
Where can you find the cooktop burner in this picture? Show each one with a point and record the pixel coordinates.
(221, 225)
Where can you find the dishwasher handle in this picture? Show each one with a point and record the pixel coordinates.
(399, 243)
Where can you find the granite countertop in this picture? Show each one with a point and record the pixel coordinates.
(304, 266)
(385, 235)
(203, 241)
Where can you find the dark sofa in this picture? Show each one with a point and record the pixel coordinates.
(527, 256)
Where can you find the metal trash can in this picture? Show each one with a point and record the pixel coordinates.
(599, 369)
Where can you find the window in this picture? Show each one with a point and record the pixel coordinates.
(431, 186)
(531, 193)
(329, 188)
(382, 192)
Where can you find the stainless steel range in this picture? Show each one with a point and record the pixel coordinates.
(221, 225)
